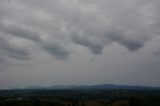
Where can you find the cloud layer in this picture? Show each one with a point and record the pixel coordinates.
(92, 24)
(33, 30)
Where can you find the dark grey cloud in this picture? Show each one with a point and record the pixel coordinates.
(56, 49)
(94, 47)
(157, 53)
(2, 61)
(130, 44)
(17, 53)
(19, 31)
(7, 49)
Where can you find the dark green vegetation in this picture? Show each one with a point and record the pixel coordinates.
(80, 98)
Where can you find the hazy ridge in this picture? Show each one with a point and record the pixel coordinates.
(95, 87)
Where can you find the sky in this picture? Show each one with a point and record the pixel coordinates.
(79, 42)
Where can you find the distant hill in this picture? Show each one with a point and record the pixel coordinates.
(96, 87)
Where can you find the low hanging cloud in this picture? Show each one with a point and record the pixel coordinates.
(95, 48)
(157, 53)
(8, 49)
(56, 49)
(17, 53)
(19, 31)
(130, 44)
(2, 61)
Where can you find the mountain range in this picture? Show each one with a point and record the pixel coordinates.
(95, 87)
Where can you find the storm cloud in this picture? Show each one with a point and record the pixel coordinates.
(14, 51)
(91, 45)
(56, 49)
(130, 44)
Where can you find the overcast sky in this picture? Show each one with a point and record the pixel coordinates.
(63, 42)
